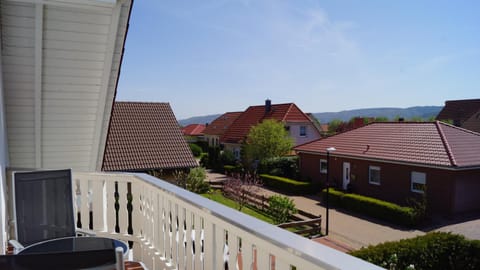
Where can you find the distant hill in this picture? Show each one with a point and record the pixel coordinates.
(198, 119)
(424, 112)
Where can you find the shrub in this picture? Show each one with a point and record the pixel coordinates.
(204, 161)
(213, 157)
(373, 207)
(227, 157)
(437, 250)
(281, 208)
(195, 181)
(196, 150)
(217, 159)
(281, 166)
(288, 185)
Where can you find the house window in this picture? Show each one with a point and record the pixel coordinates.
(418, 182)
(323, 166)
(236, 153)
(374, 175)
(303, 131)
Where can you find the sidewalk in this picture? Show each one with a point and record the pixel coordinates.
(345, 229)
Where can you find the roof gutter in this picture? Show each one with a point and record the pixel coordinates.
(432, 166)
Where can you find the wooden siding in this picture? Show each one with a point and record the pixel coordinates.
(112, 82)
(18, 29)
(76, 47)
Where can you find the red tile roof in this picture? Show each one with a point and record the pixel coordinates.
(459, 110)
(221, 124)
(193, 130)
(239, 129)
(431, 143)
(145, 136)
(324, 127)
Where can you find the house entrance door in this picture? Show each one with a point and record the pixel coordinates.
(346, 174)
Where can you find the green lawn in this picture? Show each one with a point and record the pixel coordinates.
(218, 197)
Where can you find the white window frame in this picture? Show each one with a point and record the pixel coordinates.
(325, 168)
(376, 168)
(418, 178)
(304, 133)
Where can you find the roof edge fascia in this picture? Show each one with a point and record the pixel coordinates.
(84, 4)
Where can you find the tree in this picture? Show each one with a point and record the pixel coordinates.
(416, 119)
(239, 189)
(333, 125)
(268, 139)
(381, 119)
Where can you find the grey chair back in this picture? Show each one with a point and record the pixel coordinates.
(43, 205)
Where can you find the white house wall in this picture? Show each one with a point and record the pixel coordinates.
(60, 71)
(311, 135)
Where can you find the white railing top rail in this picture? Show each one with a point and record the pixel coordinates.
(308, 250)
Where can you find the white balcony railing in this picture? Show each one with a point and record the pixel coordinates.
(169, 227)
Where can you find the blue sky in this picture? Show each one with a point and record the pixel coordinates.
(213, 56)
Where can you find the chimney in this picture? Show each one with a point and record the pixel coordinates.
(401, 119)
(268, 105)
(358, 122)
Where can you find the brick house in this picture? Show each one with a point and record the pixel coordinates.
(397, 161)
(299, 125)
(464, 113)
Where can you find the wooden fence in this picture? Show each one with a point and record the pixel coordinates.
(306, 224)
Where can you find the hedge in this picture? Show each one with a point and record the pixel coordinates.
(196, 150)
(288, 185)
(280, 166)
(436, 251)
(229, 169)
(373, 207)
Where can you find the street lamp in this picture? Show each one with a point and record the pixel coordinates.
(330, 149)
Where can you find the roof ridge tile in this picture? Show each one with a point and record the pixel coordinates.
(445, 143)
(459, 128)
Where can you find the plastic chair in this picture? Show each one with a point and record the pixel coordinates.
(43, 207)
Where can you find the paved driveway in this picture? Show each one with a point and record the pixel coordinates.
(470, 229)
(357, 232)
